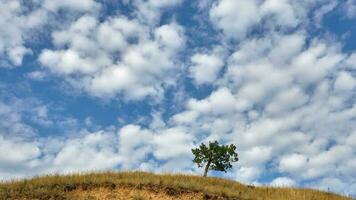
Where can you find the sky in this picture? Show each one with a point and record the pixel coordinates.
(92, 85)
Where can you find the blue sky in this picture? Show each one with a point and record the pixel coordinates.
(134, 84)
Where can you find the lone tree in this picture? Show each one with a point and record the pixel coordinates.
(215, 156)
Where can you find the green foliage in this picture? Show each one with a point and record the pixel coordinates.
(215, 156)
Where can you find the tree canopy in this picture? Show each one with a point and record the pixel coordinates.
(215, 156)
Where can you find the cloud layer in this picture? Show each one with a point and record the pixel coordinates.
(270, 83)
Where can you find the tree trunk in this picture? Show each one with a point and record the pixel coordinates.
(207, 168)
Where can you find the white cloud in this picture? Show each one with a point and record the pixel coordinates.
(78, 5)
(287, 100)
(350, 61)
(12, 123)
(150, 11)
(238, 18)
(205, 68)
(95, 151)
(344, 82)
(327, 184)
(319, 14)
(283, 182)
(248, 174)
(313, 64)
(293, 163)
(282, 10)
(17, 23)
(277, 103)
(17, 53)
(37, 75)
(256, 156)
(287, 47)
(24, 152)
(16, 157)
(172, 143)
(185, 117)
(281, 96)
(134, 146)
(143, 68)
(235, 18)
(24, 20)
(219, 102)
(69, 62)
(350, 8)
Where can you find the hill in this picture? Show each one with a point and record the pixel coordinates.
(145, 186)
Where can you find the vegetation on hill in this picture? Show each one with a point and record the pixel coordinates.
(142, 186)
(215, 156)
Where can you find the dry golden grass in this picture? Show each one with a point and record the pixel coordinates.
(169, 186)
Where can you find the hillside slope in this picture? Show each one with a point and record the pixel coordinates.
(145, 186)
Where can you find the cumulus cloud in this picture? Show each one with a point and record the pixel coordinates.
(274, 101)
(150, 11)
(350, 61)
(80, 5)
(283, 182)
(16, 157)
(292, 163)
(319, 14)
(24, 152)
(344, 82)
(172, 143)
(284, 96)
(36, 75)
(142, 69)
(133, 145)
(12, 115)
(205, 68)
(24, 19)
(129, 148)
(12, 38)
(350, 8)
(224, 14)
(95, 151)
(238, 18)
(166, 145)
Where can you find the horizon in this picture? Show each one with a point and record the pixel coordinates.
(135, 85)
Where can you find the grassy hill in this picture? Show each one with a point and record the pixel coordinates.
(145, 186)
